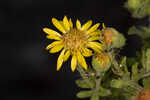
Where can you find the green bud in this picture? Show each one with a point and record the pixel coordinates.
(101, 62)
(113, 37)
(133, 4)
(119, 40)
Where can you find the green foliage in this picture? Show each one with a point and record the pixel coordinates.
(84, 94)
(146, 82)
(135, 74)
(123, 77)
(119, 83)
(147, 54)
(143, 32)
(82, 84)
(104, 92)
(138, 8)
(94, 97)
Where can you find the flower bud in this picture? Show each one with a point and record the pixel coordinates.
(113, 37)
(101, 62)
(133, 4)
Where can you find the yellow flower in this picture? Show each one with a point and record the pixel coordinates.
(73, 41)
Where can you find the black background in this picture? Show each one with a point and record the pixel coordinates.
(27, 70)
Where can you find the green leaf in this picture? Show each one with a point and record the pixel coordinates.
(135, 75)
(133, 30)
(143, 32)
(135, 68)
(124, 64)
(94, 97)
(82, 84)
(146, 82)
(84, 94)
(119, 83)
(143, 59)
(147, 54)
(104, 92)
(138, 8)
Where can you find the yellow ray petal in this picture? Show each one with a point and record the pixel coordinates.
(70, 22)
(97, 32)
(78, 24)
(56, 48)
(86, 52)
(53, 37)
(62, 23)
(51, 32)
(73, 63)
(58, 25)
(95, 46)
(103, 25)
(53, 44)
(81, 60)
(86, 25)
(93, 38)
(93, 28)
(67, 55)
(66, 23)
(60, 60)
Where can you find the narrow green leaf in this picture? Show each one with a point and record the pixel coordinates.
(84, 94)
(124, 64)
(119, 83)
(135, 75)
(143, 59)
(82, 84)
(146, 82)
(94, 97)
(104, 92)
(143, 32)
(135, 68)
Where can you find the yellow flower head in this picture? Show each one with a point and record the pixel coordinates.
(73, 41)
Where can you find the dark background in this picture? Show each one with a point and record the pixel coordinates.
(27, 70)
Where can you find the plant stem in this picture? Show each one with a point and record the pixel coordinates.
(98, 82)
(84, 75)
(113, 60)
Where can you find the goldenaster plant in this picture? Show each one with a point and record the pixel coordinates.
(109, 76)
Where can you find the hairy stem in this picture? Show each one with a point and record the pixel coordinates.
(84, 75)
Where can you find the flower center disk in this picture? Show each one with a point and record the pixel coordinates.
(75, 39)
